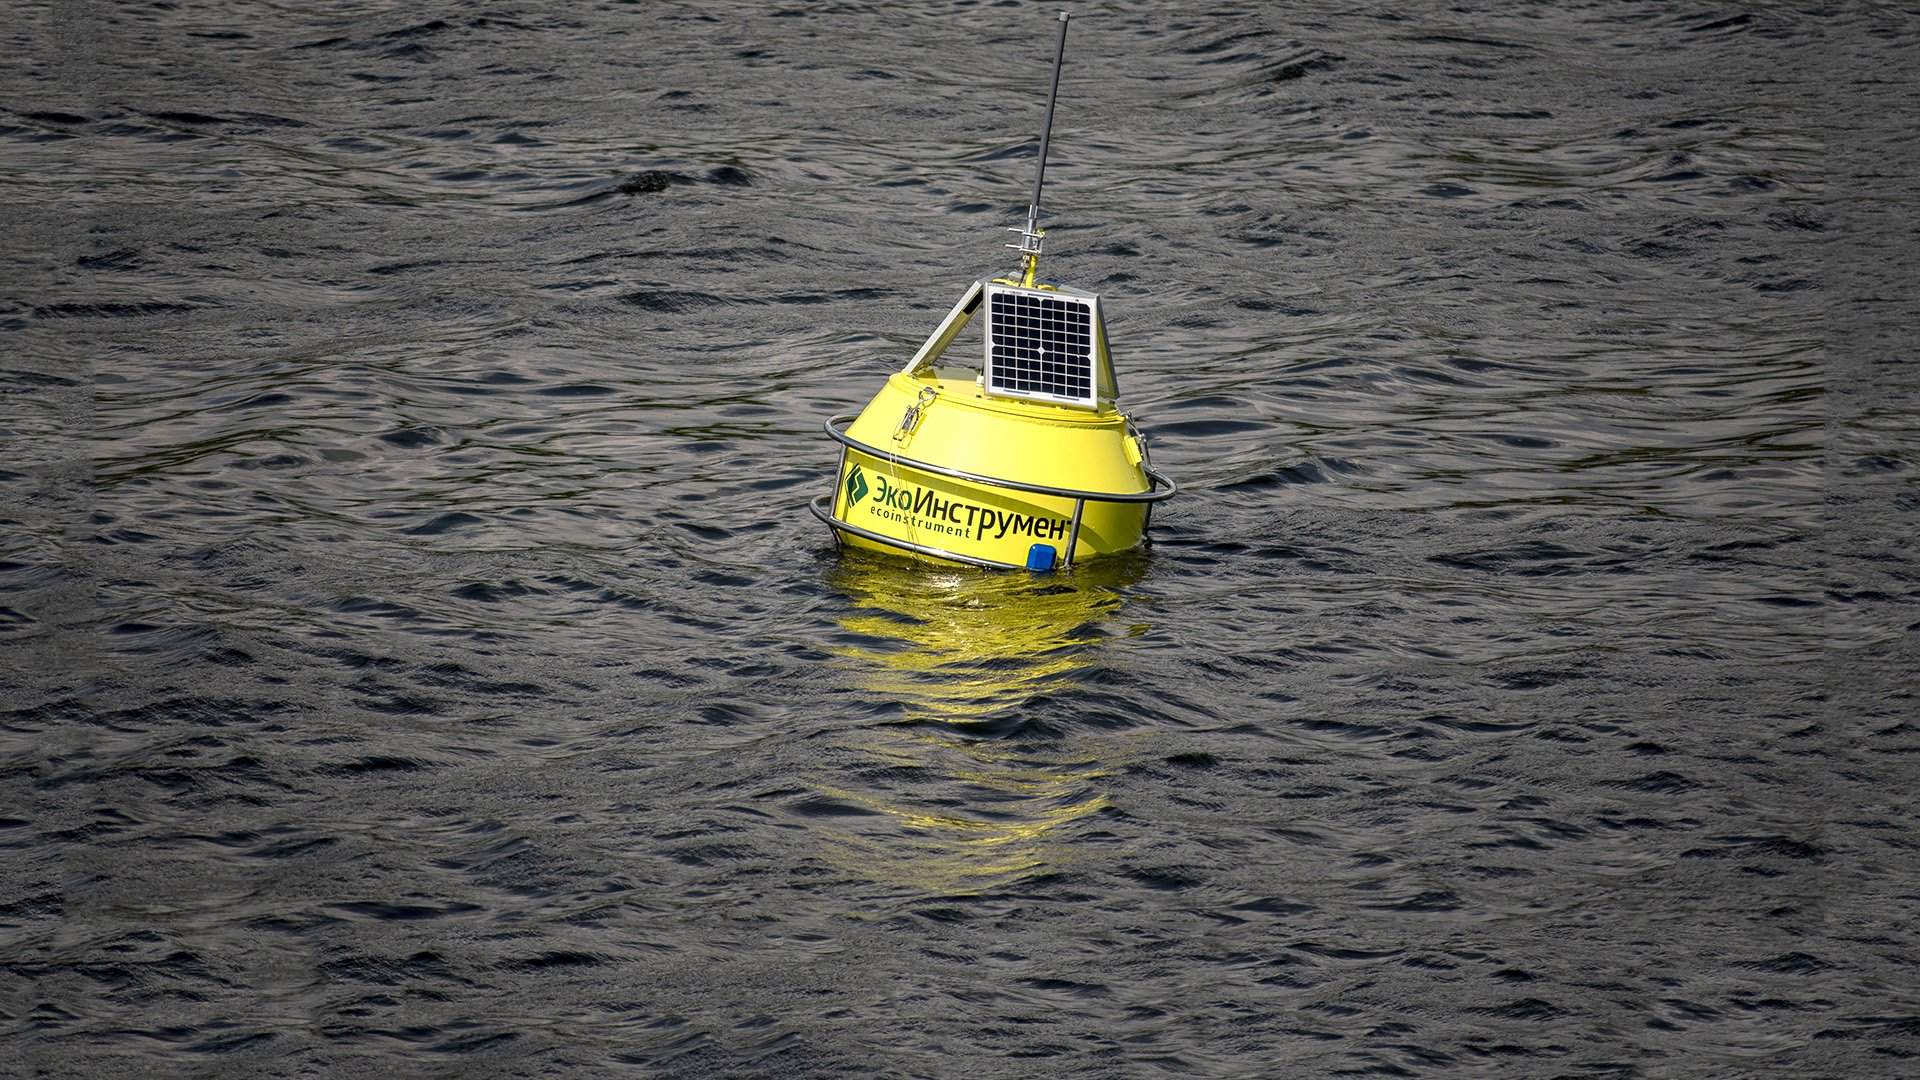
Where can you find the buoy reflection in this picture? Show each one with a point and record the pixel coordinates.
(969, 787)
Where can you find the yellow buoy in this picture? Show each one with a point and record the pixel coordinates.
(1026, 461)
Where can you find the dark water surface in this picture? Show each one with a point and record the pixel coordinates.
(418, 659)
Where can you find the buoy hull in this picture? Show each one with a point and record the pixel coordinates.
(896, 489)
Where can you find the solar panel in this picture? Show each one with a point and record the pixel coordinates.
(1040, 344)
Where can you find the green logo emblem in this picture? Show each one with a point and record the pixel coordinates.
(856, 486)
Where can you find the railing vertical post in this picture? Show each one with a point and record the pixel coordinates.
(839, 484)
(1073, 533)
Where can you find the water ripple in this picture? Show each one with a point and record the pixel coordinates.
(419, 657)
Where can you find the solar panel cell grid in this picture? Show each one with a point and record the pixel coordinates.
(1041, 345)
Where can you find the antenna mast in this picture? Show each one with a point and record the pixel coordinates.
(1029, 246)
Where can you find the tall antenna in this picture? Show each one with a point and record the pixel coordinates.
(1029, 246)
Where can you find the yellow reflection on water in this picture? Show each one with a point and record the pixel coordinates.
(965, 794)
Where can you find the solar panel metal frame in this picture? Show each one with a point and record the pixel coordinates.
(1023, 323)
